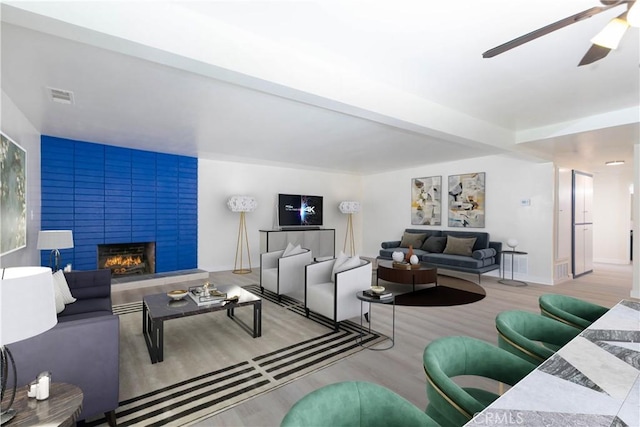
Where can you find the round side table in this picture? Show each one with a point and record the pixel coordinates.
(512, 281)
(373, 301)
(61, 408)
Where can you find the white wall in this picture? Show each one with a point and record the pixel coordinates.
(16, 126)
(387, 200)
(218, 226)
(612, 215)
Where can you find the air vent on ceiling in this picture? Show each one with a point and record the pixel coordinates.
(60, 95)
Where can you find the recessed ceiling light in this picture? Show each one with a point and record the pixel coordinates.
(614, 162)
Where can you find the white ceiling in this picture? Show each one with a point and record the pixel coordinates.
(352, 86)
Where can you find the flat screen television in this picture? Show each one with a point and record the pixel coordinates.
(298, 210)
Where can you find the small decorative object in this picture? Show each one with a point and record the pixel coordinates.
(401, 265)
(377, 289)
(512, 243)
(414, 259)
(409, 253)
(177, 294)
(397, 256)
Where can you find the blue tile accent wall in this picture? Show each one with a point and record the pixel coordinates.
(118, 195)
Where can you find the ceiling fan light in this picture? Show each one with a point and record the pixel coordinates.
(633, 15)
(611, 35)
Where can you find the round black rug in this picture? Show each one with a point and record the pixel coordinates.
(450, 291)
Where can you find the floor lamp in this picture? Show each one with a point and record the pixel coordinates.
(349, 208)
(242, 204)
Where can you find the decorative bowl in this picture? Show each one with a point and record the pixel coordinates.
(377, 289)
(178, 294)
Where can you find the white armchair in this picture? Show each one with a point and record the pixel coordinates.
(284, 275)
(336, 299)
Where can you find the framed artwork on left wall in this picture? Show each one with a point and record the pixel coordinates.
(13, 195)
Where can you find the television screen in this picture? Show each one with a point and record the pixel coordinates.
(299, 210)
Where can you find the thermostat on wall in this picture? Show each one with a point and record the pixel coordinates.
(525, 202)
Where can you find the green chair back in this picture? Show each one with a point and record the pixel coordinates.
(532, 336)
(355, 404)
(449, 357)
(572, 311)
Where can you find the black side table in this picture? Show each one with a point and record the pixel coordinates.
(512, 281)
(372, 301)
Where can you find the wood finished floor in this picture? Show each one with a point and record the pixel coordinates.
(400, 368)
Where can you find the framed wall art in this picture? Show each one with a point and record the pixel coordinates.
(13, 195)
(467, 200)
(426, 201)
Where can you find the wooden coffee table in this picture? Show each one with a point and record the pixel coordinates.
(158, 308)
(422, 275)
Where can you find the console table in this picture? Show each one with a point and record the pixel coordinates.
(321, 242)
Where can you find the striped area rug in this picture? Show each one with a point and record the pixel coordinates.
(196, 398)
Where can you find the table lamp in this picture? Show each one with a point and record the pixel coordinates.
(55, 240)
(242, 204)
(28, 308)
(349, 208)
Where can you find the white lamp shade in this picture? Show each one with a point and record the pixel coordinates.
(611, 34)
(27, 303)
(242, 204)
(55, 239)
(349, 207)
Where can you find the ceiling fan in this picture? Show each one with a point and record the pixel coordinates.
(602, 43)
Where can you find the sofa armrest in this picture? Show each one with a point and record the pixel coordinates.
(497, 246)
(270, 259)
(391, 244)
(82, 352)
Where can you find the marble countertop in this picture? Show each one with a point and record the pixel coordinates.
(592, 381)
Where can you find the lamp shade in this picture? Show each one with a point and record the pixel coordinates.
(349, 207)
(611, 34)
(242, 204)
(512, 243)
(55, 239)
(27, 303)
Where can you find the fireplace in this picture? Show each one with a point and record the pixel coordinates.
(125, 259)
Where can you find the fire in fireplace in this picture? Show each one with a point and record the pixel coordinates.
(125, 259)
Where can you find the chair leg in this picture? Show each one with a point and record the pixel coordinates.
(279, 298)
(306, 311)
(336, 326)
(111, 418)
(261, 290)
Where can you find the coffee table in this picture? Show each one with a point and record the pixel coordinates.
(158, 308)
(422, 275)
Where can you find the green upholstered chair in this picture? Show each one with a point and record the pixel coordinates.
(572, 311)
(448, 357)
(532, 336)
(355, 403)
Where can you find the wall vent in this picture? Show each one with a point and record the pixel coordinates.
(60, 96)
(561, 271)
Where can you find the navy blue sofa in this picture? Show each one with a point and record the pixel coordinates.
(484, 257)
(82, 349)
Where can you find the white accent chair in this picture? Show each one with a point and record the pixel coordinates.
(284, 275)
(336, 299)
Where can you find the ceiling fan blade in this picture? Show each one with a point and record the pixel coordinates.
(549, 29)
(595, 53)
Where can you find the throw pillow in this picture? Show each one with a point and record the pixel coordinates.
(60, 282)
(459, 246)
(434, 244)
(341, 259)
(412, 239)
(352, 262)
(292, 250)
(59, 299)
